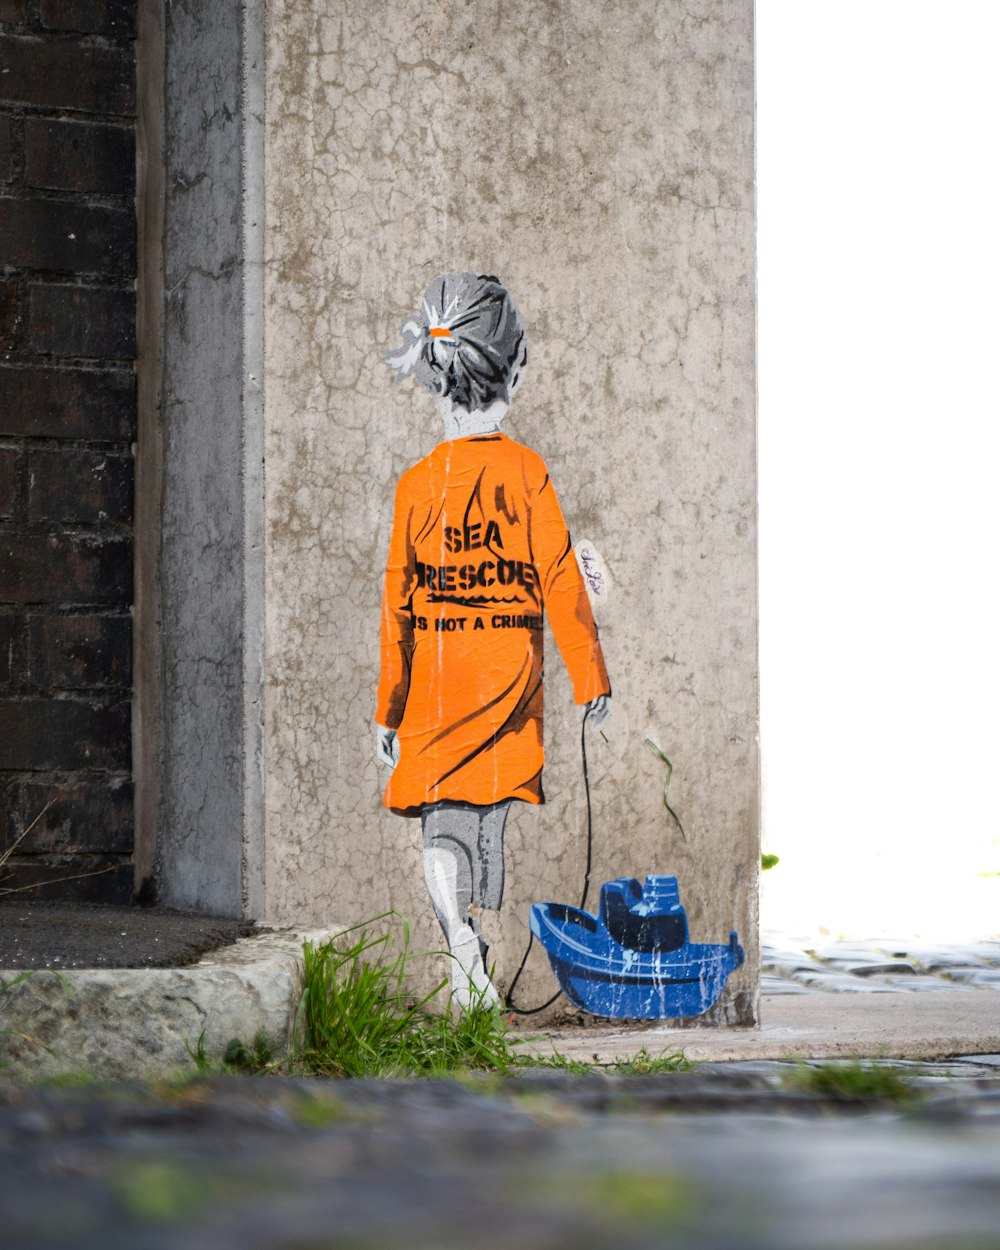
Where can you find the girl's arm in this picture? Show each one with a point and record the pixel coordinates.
(386, 746)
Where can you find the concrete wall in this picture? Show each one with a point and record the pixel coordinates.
(599, 159)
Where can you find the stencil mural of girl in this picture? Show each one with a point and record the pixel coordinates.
(479, 551)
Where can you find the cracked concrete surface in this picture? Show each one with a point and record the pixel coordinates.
(601, 163)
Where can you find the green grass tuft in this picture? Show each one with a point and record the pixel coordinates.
(198, 1054)
(559, 1062)
(257, 1057)
(855, 1081)
(642, 1063)
(356, 1017)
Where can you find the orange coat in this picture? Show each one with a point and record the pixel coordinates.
(479, 550)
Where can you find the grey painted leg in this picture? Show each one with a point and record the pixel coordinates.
(450, 831)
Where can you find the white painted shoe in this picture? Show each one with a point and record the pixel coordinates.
(470, 983)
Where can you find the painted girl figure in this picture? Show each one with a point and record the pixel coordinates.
(479, 551)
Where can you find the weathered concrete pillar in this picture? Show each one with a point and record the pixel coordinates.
(200, 588)
(600, 161)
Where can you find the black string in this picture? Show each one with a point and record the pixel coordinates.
(533, 1011)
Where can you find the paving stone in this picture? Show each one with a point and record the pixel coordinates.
(986, 979)
(940, 959)
(771, 950)
(858, 951)
(915, 984)
(873, 967)
(841, 983)
(963, 974)
(786, 962)
(771, 984)
(989, 951)
(770, 1069)
(958, 1071)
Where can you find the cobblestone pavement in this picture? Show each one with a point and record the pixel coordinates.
(792, 965)
(721, 1156)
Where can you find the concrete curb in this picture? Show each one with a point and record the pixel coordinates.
(144, 1022)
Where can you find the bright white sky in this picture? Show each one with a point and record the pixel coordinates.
(879, 349)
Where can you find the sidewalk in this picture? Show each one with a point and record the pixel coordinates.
(815, 1026)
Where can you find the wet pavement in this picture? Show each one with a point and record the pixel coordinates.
(722, 1156)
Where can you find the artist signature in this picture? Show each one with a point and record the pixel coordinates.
(591, 571)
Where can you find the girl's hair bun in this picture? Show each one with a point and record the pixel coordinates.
(468, 341)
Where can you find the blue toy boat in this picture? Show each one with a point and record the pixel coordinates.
(634, 960)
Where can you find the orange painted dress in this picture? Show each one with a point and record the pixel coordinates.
(479, 550)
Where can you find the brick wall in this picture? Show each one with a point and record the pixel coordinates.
(67, 424)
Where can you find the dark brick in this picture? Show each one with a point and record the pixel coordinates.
(8, 314)
(114, 18)
(10, 466)
(75, 156)
(68, 237)
(60, 74)
(75, 652)
(81, 321)
(6, 151)
(6, 657)
(44, 734)
(13, 11)
(75, 816)
(65, 569)
(67, 403)
(72, 485)
(70, 878)
(13, 660)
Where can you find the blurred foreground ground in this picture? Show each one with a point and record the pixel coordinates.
(721, 1156)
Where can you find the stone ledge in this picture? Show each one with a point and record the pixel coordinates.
(137, 1022)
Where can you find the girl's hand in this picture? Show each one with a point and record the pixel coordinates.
(386, 746)
(596, 711)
